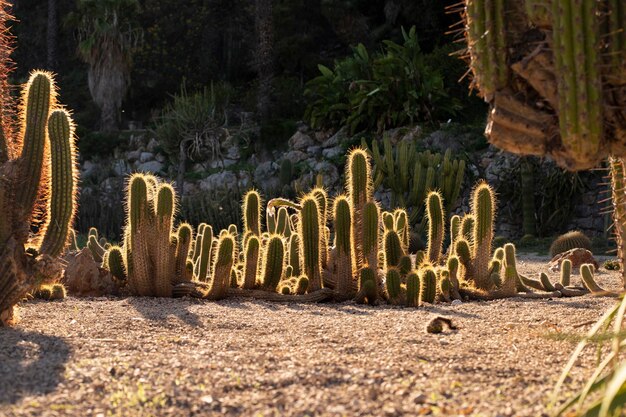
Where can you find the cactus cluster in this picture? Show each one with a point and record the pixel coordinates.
(554, 74)
(411, 175)
(38, 188)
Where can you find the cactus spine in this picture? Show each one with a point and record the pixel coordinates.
(371, 229)
(360, 191)
(392, 249)
(412, 290)
(428, 286)
(251, 262)
(483, 209)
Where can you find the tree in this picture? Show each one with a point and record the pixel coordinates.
(265, 56)
(107, 39)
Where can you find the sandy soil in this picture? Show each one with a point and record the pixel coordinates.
(156, 357)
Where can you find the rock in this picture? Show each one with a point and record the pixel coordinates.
(578, 257)
(314, 151)
(233, 152)
(296, 156)
(299, 141)
(265, 170)
(133, 156)
(332, 153)
(121, 168)
(160, 157)
(152, 167)
(88, 168)
(329, 172)
(146, 157)
(153, 145)
(222, 163)
(84, 277)
(336, 139)
(219, 181)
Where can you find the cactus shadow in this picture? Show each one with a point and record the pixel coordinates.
(159, 309)
(450, 312)
(30, 364)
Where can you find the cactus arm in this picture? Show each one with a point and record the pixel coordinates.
(434, 209)
(39, 99)
(62, 201)
(310, 235)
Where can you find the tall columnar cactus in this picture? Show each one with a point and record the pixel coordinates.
(252, 212)
(322, 203)
(401, 224)
(38, 179)
(251, 262)
(370, 236)
(392, 284)
(412, 289)
(554, 74)
(184, 237)
(483, 210)
(310, 246)
(428, 286)
(226, 253)
(295, 260)
(434, 211)
(273, 263)
(345, 261)
(360, 191)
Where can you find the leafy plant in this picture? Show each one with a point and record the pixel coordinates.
(393, 87)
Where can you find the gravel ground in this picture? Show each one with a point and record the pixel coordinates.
(161, 357)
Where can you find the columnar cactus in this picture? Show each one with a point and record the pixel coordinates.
(428, 286)
(412, 290)
(37, 176)
(360, 191)
(226, 253)
(310, 245)
(345, 261)
(392, 284)
(252, 212)
(273, 263)
(370, 236)
(435, 216)
(251, 262)
(483, 210)
(554, 75)
(392, 249)
(618, 190)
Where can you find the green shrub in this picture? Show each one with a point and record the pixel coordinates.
(394, 87)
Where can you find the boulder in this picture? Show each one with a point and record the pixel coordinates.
(84, 278)
(299, 141)
(578, 257)
(153, 167)
(220, 181)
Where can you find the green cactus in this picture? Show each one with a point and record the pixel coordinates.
(435, 215)
(37, 171)
(345, 261)
(251, 210)
(428, 286)
(455, 228)
(221, 269)
(295, 261)
(569, 240)
(97, 251)
(618, 185)
(412, 290)
(368, 287)
(370, 236)
(388, 221)
(164, 250)
(572, 65)
(310, 246)
(283, 227)
(392, 249)
(251, 262)
(273, 263)
(115, 262)
(184, 237)
(405, 265)
(467, 227)
(402, 227)
(587, 276)
(392, 284)
(360, 191)
(566, 272)
(204, 257)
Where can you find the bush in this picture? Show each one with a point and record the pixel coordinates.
(394, 87)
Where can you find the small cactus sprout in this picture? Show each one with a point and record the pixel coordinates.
(566, 272)
(368, 289)
(587, 276)
(545, 282)
(392, 283)
(499, 254)
(273, 264)
(232, 229)
(420, 257)
(412, 289)
(302, 285)
(115, 262)
(57, 292)
(455, 228)
(284, 290)
(435, 217)
(392, 249)
(97, 251)
(252, 212)
(445, 287)
(388, 221)
(428, 286)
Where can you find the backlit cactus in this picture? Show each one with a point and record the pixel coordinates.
(345, 261)
(273, 263)
(573, 68)
(392, 249)
(251, 262)
(38, 179)
(412, 290)
(252, 212)
(570, 240)
(435, 218)
(310, 245)
(428, 286)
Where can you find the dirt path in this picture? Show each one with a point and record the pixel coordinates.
(155, 357)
